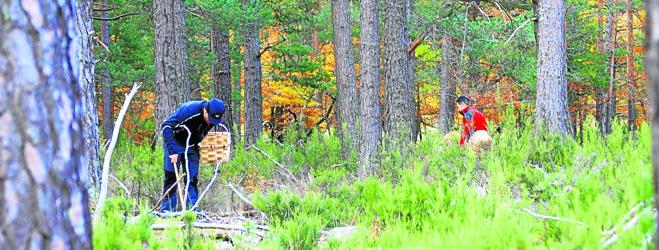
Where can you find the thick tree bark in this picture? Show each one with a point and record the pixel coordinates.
(446, 89)
(652, 66)
(369, 98)
(397, 95)
(106, 80)
(221, 70)
(347, 108)
(44, 200)
(171, 57)
(551, 103)
(89, 104)
(253, 104)
(631, 71)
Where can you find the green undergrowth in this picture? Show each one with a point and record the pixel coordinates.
(530, 191)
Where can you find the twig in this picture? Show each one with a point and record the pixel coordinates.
(288, 172)
(607, 242)
(515, 31)
(165, 194)
(108, 154)
(481, 11)
(116, 17)
(121, 185)
(554, 218)
(217, 167)
(240, 195)
(539, 168)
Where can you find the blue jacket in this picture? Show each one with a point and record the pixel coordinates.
(186, 125)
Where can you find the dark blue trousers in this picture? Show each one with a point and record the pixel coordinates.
(170, 202)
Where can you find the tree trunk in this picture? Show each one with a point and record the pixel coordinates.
(534, 5)
(551, 102)
(631, 84)
(397, 95)
(369, 98)
(652, 66)
(221, 70)
(171, 57)
(236, 102)
(411, 64)
(346, 108)
(253, 105)
(610, 94)
(106, 80)
(43, 201)
(85, 68)
(447, 89)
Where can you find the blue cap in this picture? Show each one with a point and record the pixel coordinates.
(215, 110)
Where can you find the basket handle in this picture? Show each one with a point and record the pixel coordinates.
(223, 126)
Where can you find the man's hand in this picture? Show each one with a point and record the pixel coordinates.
(174, 159)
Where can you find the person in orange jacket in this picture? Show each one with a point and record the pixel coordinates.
(474, 125)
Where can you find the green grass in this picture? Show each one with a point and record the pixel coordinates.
(443, 197)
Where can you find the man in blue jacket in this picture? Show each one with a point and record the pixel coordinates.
(181, 133)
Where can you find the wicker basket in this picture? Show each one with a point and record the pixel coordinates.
(216, 146)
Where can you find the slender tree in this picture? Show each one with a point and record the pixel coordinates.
(347, 108)
(631, 71)
(551, 101)
(252, 61)
(398, 99)
(44, 203)
(171, 57)
(652, 66)
(446, 89)
(415, 105)
(369, 98)
(610, 42)
(221, 70)
(236, 102)
(106, 78)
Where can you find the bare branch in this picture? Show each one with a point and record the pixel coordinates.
(121, 185)
(281, 167)
(108, 154)
(116, 17)
(513, 34)
(217, 168)
(240, 195)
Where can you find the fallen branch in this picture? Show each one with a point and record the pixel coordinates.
(217, 167)
(201, 225)
(108, 154)
(281, 167)
(547, 217)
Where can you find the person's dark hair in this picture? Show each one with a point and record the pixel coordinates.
(463, 99)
